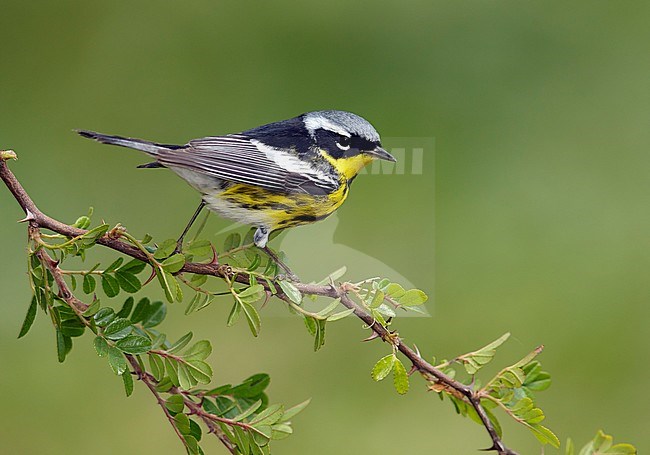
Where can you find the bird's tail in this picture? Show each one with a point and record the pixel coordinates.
(151, 148)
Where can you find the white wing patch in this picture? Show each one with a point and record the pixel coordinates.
(293, 164)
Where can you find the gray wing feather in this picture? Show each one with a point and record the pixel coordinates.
(236, 159)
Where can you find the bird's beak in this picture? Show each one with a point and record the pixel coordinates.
(381, 154)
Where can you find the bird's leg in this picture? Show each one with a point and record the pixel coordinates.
(179, 242)
(260, 239)
(292, 276)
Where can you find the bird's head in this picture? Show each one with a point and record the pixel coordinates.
(347, 141)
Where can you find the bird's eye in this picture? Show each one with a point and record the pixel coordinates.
(343, 143)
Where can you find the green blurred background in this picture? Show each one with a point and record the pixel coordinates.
(531, 216)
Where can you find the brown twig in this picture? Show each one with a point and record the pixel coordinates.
(151, 383)
(37, 218)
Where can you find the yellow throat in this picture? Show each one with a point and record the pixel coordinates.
(348, 167)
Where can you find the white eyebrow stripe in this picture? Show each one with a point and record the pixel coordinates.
(313, 123)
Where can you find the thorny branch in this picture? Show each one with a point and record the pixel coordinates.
(38, 219)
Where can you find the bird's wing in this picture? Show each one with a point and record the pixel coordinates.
(239, 159)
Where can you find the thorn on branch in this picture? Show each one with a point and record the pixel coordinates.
(374, 336)
(215, 257)
(29, 217)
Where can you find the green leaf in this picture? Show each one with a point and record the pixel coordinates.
(400, 377)
(104, 316)
(167, 283)
(182, 423)
(140, 310)
(172, 370)
(198, 280)
(232, 241)
(157, 366)
(247, 412)
(335, 275)
(158, 340)
(243, 440)
(329, 308)
(165, 249)
(91, 236)
(185, 380)
(111, 268)
(544, 435)
(310, 323)
(252, 293)
(72, 327)
(570, 448)
(602, 445)
(412, 297)
(82, 222)
(157, 313)
(164, 385)
(175, 404)
(110, 285)
(199, 248)
(235, 311)
(92, 309)
(192, 445)
(116, 360)
(181, 343)
(341, 315)
(119, 328)
(200, 370)
(61, 346)
(269, 416)
(319, 338)
(377, 299)
(383, 367)
(474, 361)
(536, 379)
(195, 430)
(126, 308)
(271, 270)
(173, 263)
(73, 282)
(134, 344)
(128, 281)
(291, 291)
(253, 318)
(394, 290)
(198, 351)
(128, 384)
(134, 266)
(88, 285)
(280, 431)
(261, 437)
(621, 449)
(101, 346)
(255, 263)
(252, 386)
(292, 411)
(29, 318)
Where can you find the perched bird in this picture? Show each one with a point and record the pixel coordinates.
(275, 176)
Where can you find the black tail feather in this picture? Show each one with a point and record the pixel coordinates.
(151, 148)
(153, 165)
